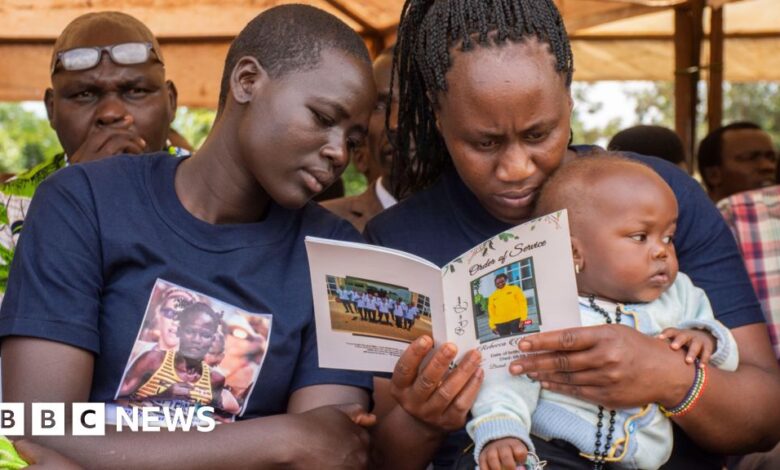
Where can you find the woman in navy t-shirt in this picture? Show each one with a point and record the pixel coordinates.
(485, 103)
(104, 242)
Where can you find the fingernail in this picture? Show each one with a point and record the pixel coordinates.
(479, 373)
(423, 341)
(516, 369)
(450, 349)
(545, 385)
(525, 346)
(476, 357)
(533, 375)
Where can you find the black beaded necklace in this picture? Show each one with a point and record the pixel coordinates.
(599, 461)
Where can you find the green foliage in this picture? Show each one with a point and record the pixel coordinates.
(757, 102)
(354, 181)
(654, 105)
(26, 139)
(581, 131)
(481, 302)
(194, 124)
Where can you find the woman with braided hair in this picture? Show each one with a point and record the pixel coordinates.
(484, 92)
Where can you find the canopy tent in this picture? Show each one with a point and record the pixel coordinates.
(642, 47)
(611, 39)
(617, 39)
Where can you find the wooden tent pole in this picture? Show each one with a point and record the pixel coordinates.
(687, 56)
(715, 86)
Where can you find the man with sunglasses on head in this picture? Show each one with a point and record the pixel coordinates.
(109, 96)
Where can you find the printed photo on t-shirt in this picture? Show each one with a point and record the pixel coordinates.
(194, 350)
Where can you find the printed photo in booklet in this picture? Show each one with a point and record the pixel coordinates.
(194, 350)
(370, 302)
(372, 308)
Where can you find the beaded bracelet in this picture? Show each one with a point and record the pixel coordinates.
(692, 397)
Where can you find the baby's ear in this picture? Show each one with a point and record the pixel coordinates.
(578, 255)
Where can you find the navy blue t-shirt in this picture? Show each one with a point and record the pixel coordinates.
(108, 245)
(447, 219)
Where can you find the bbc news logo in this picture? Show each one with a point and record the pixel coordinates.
(91, 419)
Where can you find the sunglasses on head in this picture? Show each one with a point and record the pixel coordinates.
(169, 313)
(83, 58)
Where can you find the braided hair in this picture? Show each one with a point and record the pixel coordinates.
(427, 30)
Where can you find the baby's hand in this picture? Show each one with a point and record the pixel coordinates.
(699, 343)
(503, 454)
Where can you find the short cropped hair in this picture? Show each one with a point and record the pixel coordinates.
(290, 38)
(710, 153)
(655, 141)
(191, 311)
(569, 187)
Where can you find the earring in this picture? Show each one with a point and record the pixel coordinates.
(576, 269)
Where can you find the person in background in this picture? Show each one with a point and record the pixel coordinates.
(754, 219)
(735, 158)
(656, 141)
(777, 174)
(374, 159)
(108, 96)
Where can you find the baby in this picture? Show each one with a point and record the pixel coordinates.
(622, 217)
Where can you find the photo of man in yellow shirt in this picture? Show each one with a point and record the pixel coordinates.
(507, 308)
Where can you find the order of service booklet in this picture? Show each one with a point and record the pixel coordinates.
(370, 302)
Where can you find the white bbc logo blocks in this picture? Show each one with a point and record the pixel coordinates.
(48, 419)
(89, 419)
(11, 419)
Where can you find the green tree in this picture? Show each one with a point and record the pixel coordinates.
(584, 106)
(25, 138)
(354, 181)
(480, 302)
(654, 104)
(194, 124)
(758, 102)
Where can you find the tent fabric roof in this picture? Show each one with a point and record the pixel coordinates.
(642, 47)
(612, 39)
